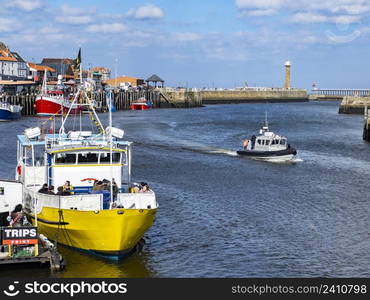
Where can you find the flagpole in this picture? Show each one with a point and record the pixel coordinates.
(79, 56)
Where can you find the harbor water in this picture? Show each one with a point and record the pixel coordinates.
(222, 215)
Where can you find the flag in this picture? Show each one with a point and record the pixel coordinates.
(77, 63)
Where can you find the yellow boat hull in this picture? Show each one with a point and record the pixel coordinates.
(112, 232)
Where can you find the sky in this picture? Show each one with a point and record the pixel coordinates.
(200, 43)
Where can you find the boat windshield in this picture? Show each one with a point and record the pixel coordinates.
(88, 158)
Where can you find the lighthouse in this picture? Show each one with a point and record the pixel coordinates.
(287, 75)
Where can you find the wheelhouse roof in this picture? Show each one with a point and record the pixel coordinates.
(24, 141)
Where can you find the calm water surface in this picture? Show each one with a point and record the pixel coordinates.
(222, 215)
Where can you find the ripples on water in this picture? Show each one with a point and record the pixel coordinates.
(222, 215)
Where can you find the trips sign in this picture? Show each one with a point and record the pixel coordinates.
(19, 235)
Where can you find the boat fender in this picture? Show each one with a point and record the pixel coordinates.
(19, 170)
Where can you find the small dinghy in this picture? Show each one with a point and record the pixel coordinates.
(268, 146)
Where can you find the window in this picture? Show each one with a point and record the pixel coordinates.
(65, 158)
(1, 191)
(89, 157)
(267, 142)
(105, 157)
(282, 142)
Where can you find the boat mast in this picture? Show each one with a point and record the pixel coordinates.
(44, 84)
(110, 147)
(266, 123)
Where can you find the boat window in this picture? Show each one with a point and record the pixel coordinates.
(276, 142)
(105, 157)
(282, 142)
(87, 157)
(65, 158)
(267, 142)
(259, 142)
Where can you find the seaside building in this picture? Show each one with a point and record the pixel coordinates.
(100, 72)
(36, 71)
(61, 66)
(155, 79)
(12, 65)
(124, 81)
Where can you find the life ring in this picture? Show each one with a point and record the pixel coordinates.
(88, 179)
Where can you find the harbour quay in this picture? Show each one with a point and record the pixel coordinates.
(161, 98)
(254, 95)
(354, 104)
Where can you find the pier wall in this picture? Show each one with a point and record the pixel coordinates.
(175, 98)
(179, 98)
(354, 105)
(254, 96)
(366, 132)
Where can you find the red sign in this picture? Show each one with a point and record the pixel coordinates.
(20, 242)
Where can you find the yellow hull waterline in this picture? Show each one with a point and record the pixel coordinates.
(106, 231)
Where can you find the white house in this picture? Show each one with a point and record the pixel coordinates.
(12, 66)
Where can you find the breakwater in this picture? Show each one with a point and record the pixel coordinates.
(177, 98)
(366, 132)
(353, 105)
(254, 96)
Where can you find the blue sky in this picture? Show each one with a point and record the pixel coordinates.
(221, 43)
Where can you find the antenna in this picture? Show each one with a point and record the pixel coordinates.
(116, 67)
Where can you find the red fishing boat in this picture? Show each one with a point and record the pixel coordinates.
(141, 104)
(54, 102)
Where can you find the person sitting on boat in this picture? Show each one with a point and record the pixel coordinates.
(51, 190)
(245, 143)
(135, 188)
(67, 187)
(17, 218)
(63, 192)
(98, 186)
(44, 189)
(145, 188)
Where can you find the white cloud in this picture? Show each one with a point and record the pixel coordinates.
(338, 11)
(259, 4)
(25, 5)
(346, 19)
(187, 37)
(106, 28)
(75, 11)
(309, 17)
(259, 12)
(8, 25)
(146, 12)
(74, 20)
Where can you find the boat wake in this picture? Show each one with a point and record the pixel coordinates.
(190, 146)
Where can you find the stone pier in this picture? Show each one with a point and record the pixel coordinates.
(354, 105)
(254, 96)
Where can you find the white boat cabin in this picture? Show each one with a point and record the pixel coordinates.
(78, 157)
(266, 141)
